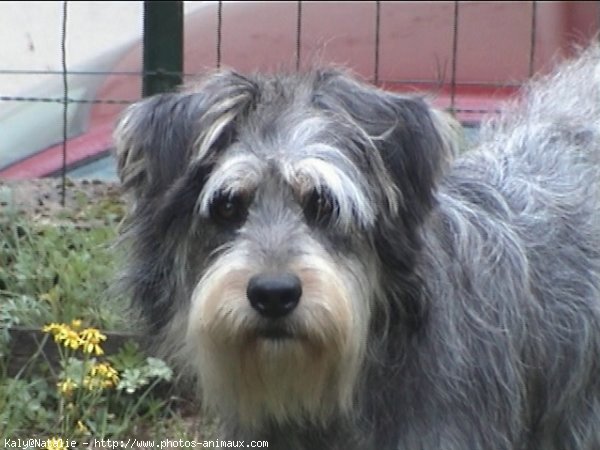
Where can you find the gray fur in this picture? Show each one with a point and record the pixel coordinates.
(478, 279)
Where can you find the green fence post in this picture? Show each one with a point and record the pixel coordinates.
(163, 46)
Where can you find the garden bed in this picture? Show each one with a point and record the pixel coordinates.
(57, 266)
(27, 344)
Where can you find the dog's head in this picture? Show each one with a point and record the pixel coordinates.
(265, 213)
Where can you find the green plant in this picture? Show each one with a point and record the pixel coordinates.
(54, 270)
(24, 405)
(50, 274)
(94, 396)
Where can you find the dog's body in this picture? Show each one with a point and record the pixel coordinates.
(308, 247)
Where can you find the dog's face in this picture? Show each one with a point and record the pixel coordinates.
(265, 215)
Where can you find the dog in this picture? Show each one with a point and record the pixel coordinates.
(313, 250)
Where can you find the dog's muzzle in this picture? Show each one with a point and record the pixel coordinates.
(274, 296)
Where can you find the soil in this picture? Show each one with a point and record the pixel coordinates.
(42, 199)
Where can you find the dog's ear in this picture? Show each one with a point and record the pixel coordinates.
(406, 146)
(412, 141)
(153, 142)
(161, 138)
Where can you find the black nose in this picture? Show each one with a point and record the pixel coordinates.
(274, 295)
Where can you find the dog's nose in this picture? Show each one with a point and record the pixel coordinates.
(274, 295)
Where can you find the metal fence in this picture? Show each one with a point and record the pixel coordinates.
(163, 53)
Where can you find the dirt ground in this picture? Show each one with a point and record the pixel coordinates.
(42, 199)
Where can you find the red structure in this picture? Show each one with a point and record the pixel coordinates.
(468, 55)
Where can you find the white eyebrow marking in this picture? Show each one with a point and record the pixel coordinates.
(241, 173)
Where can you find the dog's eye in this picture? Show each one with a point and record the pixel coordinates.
(228, 208)
(319, 207)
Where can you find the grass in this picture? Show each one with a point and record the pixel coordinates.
(57, 269)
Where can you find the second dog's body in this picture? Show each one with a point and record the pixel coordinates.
(308, 248)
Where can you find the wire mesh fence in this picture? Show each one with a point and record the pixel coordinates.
(469, 55)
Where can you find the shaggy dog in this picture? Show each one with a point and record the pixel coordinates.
(310, 248)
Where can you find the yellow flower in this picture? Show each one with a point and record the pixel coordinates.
(103, 369)
(69, 338)
(66, 387)
(101, 376)
(55, 329)
(52, 328)
(55, 443)
(76, 324)
(92, 384)
(63, 334)
(90, 341)
(81, 428)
